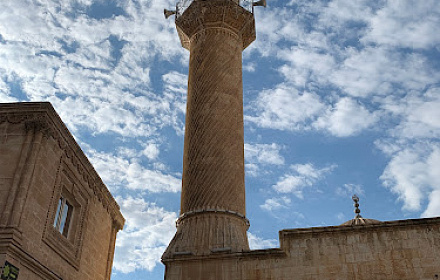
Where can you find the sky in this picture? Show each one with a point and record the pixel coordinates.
(341, 97)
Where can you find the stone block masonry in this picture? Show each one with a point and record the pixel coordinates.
(213, 190)
(58, 220)
(211, 241)
(396, 250)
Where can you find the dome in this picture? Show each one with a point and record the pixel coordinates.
(359, 221)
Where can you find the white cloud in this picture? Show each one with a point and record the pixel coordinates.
(263, 153)
(339, 12)
(320, 55)
(280, 208)
(120, 172)
(381, 71)
(306, 65)
(95, 72)
(389, 146)
(348, 190)
(102, 107)
(252, 170)
(276, 203)
(274, 25)
(146, 234)
(354, 48)
(412, 174)
(151, 151)
(176, 82)
(5, 93)
(285, 109)
(419, 113)
(406, 23)
(346, 118)
(258, 157)
(258, 243)
(176, 85)
(300, 177)
(433, 209)
(126, 152)
(249, 67)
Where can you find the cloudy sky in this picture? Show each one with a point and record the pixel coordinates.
(341, 97)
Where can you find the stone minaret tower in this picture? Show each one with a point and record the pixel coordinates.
(213, 208)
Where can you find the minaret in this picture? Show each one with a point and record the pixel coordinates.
(213, 208)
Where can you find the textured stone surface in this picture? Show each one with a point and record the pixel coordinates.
(225, 14)
(213, 164)
(44, 161)
(213, 191)
(205, 234)
(211, 242)
(408, 249)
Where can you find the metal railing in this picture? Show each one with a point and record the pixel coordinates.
(182, 5)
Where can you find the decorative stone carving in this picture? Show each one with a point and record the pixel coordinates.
(216, 13)
(39, 125)
(40, 117)
(213, 188)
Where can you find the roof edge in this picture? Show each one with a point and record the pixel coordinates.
(44, 112)
(386, 224)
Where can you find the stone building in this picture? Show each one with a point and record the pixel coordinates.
(211, 241)
(57, 218)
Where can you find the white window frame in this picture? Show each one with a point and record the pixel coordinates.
(63, 216)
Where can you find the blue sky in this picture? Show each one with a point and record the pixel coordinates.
(340, 97)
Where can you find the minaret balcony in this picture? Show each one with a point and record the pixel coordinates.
(194, 16)
(182, 5)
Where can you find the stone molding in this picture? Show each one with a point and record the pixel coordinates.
(286, 233)
(216, 13)
(33, 264)
(67, 185)
(40, 125)
(204, 228)
(9, 236)
(274, 253)
(41, 117)
(211, 211)
(298, 233)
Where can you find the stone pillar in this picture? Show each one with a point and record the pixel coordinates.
(213, 192)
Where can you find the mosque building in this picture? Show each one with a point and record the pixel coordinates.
(211, 241)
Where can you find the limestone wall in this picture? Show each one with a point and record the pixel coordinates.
(395, 250)
(408, 249)
(12, 142)
(43, 164)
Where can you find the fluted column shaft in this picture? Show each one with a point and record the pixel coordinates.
(213, 165)
(213, 191)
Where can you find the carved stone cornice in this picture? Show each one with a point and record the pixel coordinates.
(226, 232)
(41, 117)
(211, 211)
(39, 125)
(227, 14)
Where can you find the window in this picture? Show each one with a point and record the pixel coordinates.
(66, 216)
(63, 216)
